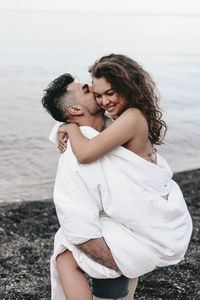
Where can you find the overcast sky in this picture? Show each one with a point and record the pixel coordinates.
(137, 6)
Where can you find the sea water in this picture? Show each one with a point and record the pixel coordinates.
(38, 46)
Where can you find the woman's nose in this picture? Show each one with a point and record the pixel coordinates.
(105, 100)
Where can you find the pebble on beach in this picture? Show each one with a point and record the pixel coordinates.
(27, 231)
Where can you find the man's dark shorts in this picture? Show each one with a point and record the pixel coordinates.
(110, 288)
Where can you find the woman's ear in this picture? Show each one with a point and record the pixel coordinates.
(75, 110)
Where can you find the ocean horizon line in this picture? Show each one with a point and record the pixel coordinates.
(100, 12)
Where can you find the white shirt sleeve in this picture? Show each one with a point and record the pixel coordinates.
(54, 132)
(77, 199)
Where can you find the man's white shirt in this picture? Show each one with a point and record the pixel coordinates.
(134, 204)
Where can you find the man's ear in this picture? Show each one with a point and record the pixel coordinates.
(75, 110)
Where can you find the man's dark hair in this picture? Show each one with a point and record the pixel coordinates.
(56, 98)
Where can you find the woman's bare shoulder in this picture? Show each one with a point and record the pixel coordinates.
(133, 111)
(132, 115)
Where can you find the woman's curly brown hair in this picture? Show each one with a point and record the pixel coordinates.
(133, 83)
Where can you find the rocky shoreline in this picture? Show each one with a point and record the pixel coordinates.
(27, 230)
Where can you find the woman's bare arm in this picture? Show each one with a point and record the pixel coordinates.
(121, 131)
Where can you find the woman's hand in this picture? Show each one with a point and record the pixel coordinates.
(63, 136)
(62, 141)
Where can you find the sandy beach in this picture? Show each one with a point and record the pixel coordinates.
(27, 232)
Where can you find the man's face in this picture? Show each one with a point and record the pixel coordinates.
(85, 97)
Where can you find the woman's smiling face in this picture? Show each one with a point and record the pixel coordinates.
(108, 98)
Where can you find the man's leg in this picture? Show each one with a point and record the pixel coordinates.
(115, 288)
(119, 288)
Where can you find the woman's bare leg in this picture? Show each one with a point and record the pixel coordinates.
(74, 283)
(97, 298)
(132, 288)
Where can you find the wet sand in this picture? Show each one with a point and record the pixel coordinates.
(27, 230)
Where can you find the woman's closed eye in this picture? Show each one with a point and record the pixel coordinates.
(110, 93)
(98, 96)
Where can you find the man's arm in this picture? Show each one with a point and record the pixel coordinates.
(97, 250)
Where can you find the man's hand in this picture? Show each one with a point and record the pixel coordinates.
(97, 250)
